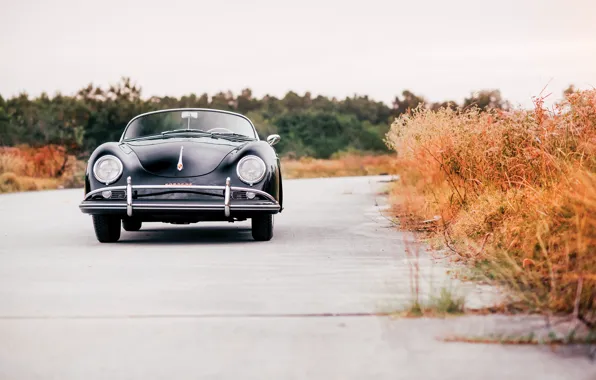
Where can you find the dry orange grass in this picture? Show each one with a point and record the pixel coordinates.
(24, 168)
(45, 162)
(341, 166)
(515, 193)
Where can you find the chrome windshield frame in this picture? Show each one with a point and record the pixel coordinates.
(256, 135)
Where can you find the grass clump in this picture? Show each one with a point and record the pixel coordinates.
(515, 191)
(527, 339)
(9, 182)
(446, 303)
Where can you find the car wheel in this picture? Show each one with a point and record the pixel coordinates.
(131, 224)
(262, 227)
(107, 228)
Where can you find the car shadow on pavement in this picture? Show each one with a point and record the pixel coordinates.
(188, 235)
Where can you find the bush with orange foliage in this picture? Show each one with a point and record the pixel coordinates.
(44, 162)
(515, 192)
(24, 168)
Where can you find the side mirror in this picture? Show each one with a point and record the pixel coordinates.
(273, 139)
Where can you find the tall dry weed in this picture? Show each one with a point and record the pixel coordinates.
(12, 163)
(515, 192)
(48, 161)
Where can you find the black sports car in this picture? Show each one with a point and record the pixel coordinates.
(184, 166)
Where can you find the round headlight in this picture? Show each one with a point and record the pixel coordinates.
(107, 169)
(251, 169)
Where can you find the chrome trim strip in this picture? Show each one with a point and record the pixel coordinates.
(159, 206)
(196, 187)
(180, 164)
(129, 196)
(179, 206)
(227, 198)
(119, 206)
(254, 207)
(89, 204)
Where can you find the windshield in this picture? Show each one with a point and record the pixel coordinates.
(193, 120)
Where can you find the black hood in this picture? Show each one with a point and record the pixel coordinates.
(199, 157)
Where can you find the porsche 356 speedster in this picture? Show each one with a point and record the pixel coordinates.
(184, 166)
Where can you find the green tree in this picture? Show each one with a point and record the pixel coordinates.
(320, 134)
(246, 103)
(408, 102)
(317, 126)
(569, 90)
(447, 104)
(7, 132)
(223, 101)
(485, 100)
(293, 102)
(365, 109)
(108, 118)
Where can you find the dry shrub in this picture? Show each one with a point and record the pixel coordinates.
(24, 169)
(74, 175)
(9, 182)
(11, 163)
(42, 183)
(45, 162)
(344, 165)
(515, 192)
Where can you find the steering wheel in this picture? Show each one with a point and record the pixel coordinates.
(221, 129)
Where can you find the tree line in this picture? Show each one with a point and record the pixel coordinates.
(315, 126)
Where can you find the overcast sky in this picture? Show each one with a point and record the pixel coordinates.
(441, 49)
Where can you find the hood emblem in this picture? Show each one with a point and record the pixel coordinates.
(180, 165)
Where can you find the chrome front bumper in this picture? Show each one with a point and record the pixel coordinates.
(132, 206)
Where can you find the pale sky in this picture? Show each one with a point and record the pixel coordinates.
(440, 49)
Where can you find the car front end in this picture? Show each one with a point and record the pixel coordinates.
(243, 184)
(184, 166)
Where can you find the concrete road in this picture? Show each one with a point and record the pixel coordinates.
(205, 301)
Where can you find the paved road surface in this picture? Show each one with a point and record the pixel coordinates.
(205, 301)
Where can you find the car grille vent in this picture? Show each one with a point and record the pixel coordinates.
(116, 194)
(239, 195)
(242, 195)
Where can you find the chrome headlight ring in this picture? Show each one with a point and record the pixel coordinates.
(258, 164)
(115, 171)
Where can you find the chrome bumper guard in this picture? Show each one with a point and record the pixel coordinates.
(270, 204)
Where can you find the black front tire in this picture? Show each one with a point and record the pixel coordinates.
(131, 224)
(262, 227)
(107, 228)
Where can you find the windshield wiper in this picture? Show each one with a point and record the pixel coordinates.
(165, 133)
(150, 137)
(236, 136)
